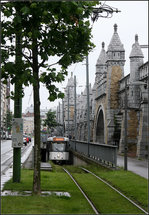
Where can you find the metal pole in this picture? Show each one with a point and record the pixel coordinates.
(59, 114)
(68, 112)
(125, 139)
(63, 115)
(148, 134)
(88, 106)
(75, 111)
(59, 119)
(0, 74)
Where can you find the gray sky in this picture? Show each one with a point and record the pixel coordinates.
(133, 19)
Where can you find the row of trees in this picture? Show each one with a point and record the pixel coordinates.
(50, 122)
(33, 33)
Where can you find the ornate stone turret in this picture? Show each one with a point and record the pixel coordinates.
(115, 43)
(115, 72)
(102, 57)
(101, 64)
(136, 60)
(116, 52)
(136, 49)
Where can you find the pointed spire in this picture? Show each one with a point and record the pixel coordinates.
(136, 38)
(136, 49)
(70, 80)
(102, 57)
(115, 28)
(115, 43)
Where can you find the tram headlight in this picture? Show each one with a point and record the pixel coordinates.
(58, 155)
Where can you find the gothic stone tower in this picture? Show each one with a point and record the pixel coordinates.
(69, 106)
(109, 70)
(115, 71)
(137, 107)
(136, 60)
(100, 95)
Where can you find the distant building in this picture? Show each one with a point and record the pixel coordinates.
(69, 102)
(5, 106)
(28, 119)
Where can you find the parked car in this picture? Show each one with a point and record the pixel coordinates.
(25, 140)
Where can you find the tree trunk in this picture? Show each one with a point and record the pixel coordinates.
(36, 177)
(18, 97)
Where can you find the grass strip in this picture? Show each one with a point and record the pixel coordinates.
(105, 199)
(52, 181)
(132, 185)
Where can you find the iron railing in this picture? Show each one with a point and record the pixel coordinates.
(101, 153)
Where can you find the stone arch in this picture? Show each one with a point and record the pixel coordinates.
(100, 130)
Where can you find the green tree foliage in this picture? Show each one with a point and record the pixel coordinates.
(61, 29)
(50, 120)
(49, 29)
(8, 120)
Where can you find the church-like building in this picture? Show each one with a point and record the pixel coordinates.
(118, 103)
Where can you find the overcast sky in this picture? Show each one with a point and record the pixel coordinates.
(133, 19)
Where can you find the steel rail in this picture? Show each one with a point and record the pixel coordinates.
(9, 160)
(4, 154)
(86, 170)
(89, 201)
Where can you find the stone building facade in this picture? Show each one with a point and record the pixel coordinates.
(5, 106)
(113, 96)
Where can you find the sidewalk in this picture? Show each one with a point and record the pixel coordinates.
(140, 167)
(8, 174)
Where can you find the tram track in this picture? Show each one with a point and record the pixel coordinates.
(83, 192)
(116, 190)
(7, 163)
(90, 199)
(5, 153)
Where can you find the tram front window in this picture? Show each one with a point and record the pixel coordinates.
(58, 147)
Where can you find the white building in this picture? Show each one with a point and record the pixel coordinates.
(28, 119)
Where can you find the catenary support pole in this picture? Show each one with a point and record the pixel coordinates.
(63, 116)
(148, 133)
(125, 139)
(75, 111)
(68, 113)
(0, 74)
(88, 106)
(59, 111)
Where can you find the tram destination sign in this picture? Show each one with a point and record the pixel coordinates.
(58, 139)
